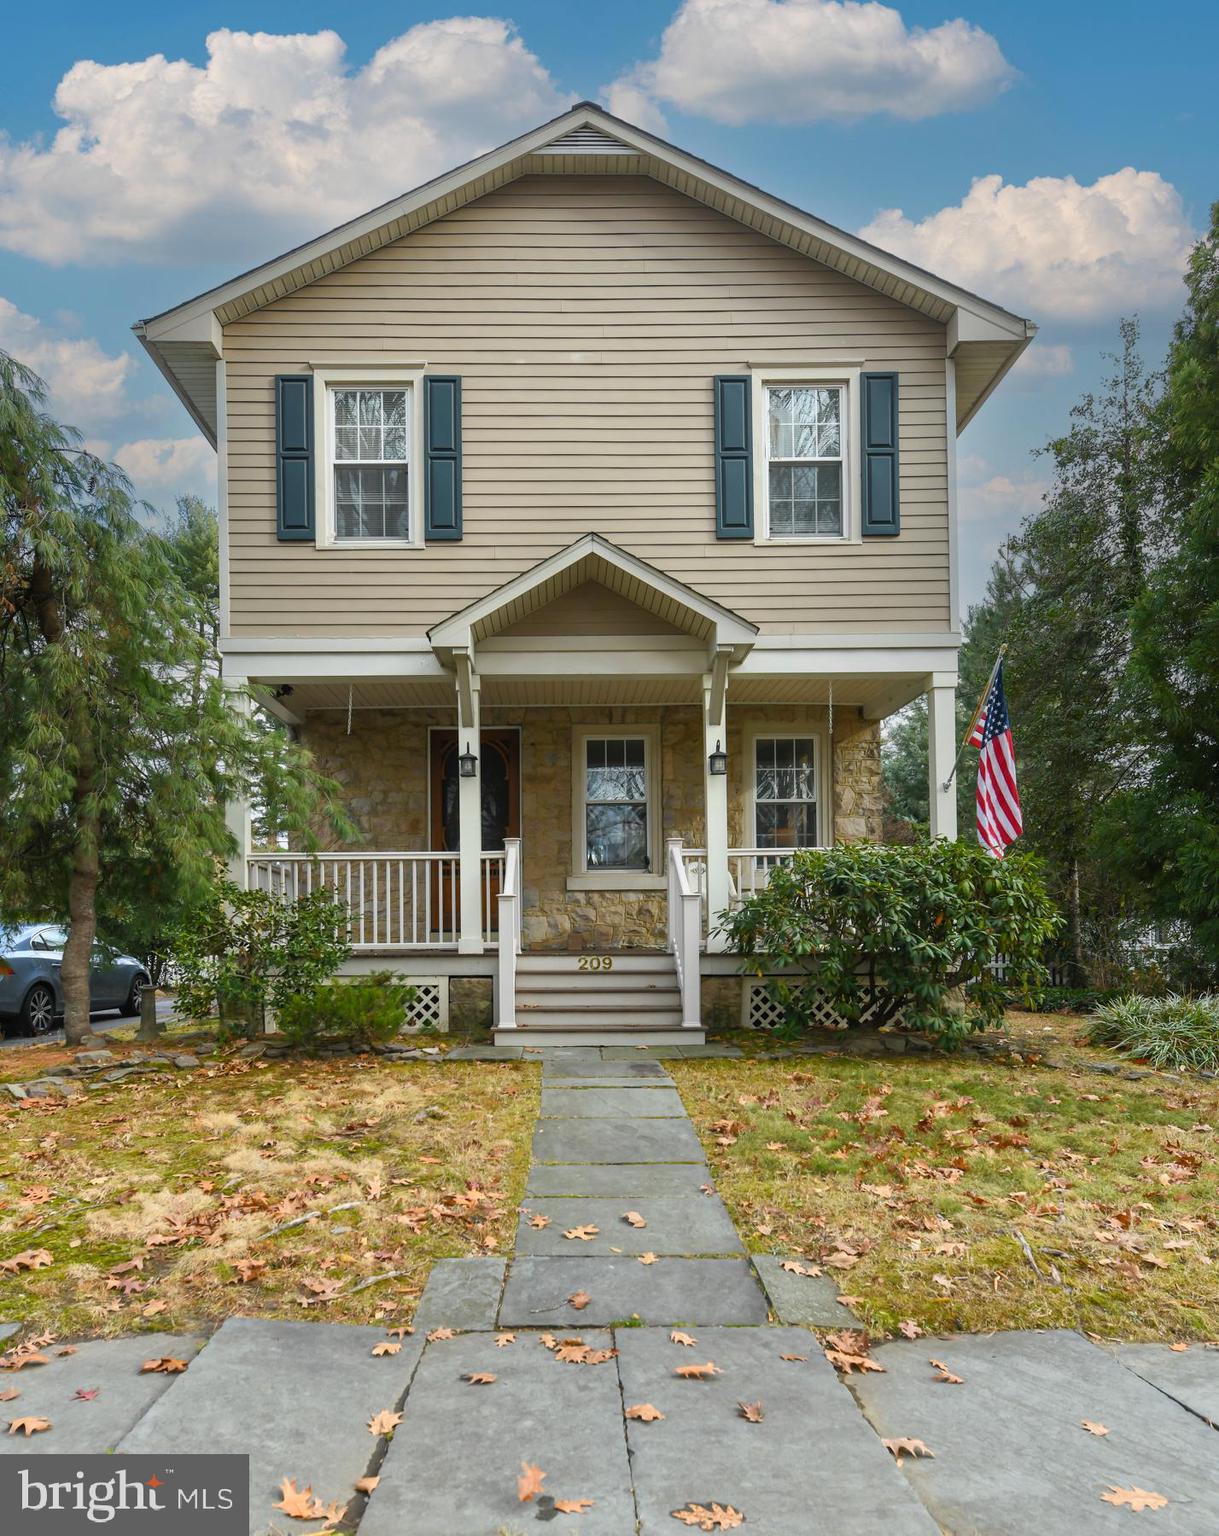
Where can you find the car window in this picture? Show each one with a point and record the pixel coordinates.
(49, 938)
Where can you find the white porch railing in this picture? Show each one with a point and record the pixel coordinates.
(685, 933)
(396, 901)
(509, 934)
(748, 872)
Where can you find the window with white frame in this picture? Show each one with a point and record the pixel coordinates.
(785, 792)
(616, 795)
(371, 444)
(805, 461)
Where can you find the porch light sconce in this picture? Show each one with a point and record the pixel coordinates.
(467, 763)
(717, 761)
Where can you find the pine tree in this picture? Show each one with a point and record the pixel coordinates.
(118, 743)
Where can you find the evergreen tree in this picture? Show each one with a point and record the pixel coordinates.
(118, 743)
(1165, 828)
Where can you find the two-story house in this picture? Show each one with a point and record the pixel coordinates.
(585, 510)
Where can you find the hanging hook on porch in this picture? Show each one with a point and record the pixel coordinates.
(349, 691)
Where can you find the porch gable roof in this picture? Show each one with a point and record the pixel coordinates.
(595, 558)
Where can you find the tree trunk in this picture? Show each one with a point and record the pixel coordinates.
(82, 910)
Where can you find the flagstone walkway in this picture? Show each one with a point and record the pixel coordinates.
(1011, 1455)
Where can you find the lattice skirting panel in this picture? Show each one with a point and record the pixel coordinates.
(760, 1009)
(430, 1010)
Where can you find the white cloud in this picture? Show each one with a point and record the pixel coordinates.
(1052, 246)
(799, 61)
(163, 468)
(1042, 361)
(87, 386)
(986, 495)
(273, 140)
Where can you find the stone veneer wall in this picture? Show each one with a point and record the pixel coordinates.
(382, 767)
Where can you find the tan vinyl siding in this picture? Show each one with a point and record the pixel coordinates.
(586, 317)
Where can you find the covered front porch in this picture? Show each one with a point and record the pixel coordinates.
(595, 760)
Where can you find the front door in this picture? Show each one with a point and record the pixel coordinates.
(501, 811)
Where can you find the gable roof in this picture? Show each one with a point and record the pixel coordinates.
(185, 341)
(595, 558)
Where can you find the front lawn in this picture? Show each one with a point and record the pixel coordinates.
(913, 1180)
(152, 1200)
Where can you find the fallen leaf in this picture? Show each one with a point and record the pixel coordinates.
(644, 1412)
(944, 1374)
(439, 1335)
(7, 1397)
(529, 1483)
(32, 1258)
(539, 1221)
(1178, 1349)
(384, 1423)
(479, 1378)
(85, 1394)
(366, 1484)
(400, 1332)
(502, 1340)
(583, 1234)
(153, 1309)
(249, 1269)
(685, 1339)
(1093, 1427)
(698, 1372)
(166, 1365)
(19, 1362)
(904, 1445)
(385, 1348)
(793, 1357)
(28, 1427)
(573, 1506)
(709, 1517)
(647, 1258)
(635, 1219)
(752, 1413)
(793, 1267)
(909, 1329)
(297, 1503)
(579, 1300)
(70, 1349)
(1134, 1498)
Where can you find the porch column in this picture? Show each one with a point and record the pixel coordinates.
(941, 750)
(237, 814)
(715, 792)
(469, 813)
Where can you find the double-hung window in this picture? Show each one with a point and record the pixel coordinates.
(785, 792)
(371, 463)
(806, 471)
(617, 833)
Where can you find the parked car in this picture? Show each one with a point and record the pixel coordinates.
(31, 992)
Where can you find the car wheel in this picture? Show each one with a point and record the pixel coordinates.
(38, 1010)
(132, 1005)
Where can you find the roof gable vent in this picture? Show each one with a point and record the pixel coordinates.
(586, 139)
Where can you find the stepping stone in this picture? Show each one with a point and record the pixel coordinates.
(625, 1181)
(812, 1465)
(295, 1397)
(641, 1053)
(683, 1291)
(1190, 1378)
(588, 1070)
(461, 1293)
(612, 1103)
(804, 1301)
(483, 1053)
(616, 1141)
(452, 1465)
(7, 1330)
(673, 1227)
(113, 1365)
(1011, 1456)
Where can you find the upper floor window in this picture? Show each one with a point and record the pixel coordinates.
(371, 437)
(806, 479)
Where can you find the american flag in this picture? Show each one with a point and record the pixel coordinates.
(999, 819)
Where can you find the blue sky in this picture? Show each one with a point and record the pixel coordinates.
(1097, 125)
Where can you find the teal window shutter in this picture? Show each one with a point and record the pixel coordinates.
(881, 506)
(294, 457)
(733, 457)
(442, 458)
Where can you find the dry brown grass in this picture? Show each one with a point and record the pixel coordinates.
(916, 1177)
(405, 1164)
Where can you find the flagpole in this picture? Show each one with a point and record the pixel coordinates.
(973, 719)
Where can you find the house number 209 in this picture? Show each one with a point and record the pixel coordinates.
(595, 963)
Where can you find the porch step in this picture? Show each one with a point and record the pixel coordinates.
(586, 966)
(597, 981)
(611, 994)
(596, 1016)
(636, 999)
